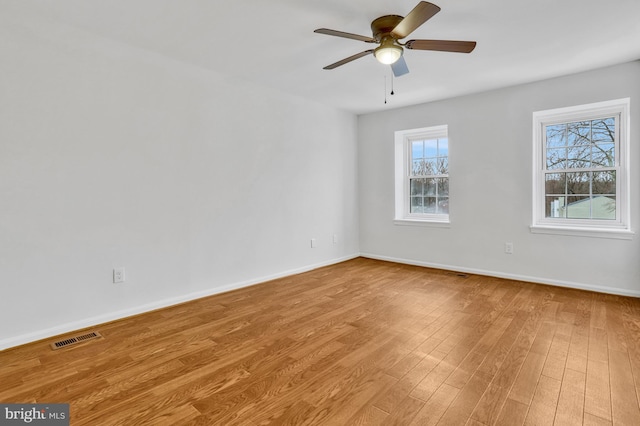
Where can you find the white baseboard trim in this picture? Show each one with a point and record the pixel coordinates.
(159, 304)
(516, 277)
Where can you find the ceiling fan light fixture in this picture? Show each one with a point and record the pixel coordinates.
(388, 52)
(387, 30)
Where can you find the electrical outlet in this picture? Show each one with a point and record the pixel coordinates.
(118, 275)
(314, 243)
(335, 238)
(508, 248)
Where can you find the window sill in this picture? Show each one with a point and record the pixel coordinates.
(423, 222)
(618, 234)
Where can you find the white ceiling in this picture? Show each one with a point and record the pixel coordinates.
(272, 42)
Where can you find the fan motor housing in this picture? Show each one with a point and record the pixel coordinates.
(382, 26)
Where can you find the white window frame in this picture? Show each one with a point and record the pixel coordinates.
(618, 228)
(403, 139)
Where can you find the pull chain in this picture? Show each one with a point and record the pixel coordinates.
(392, 85)
(385, 89)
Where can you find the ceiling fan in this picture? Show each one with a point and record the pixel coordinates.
(389, 29)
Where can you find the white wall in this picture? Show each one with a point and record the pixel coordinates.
(490, 185)
(113, 156)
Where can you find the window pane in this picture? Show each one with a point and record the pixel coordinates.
(443, 166)
(556, 135)
(443, 187)
(443, 147)
(416, 205)
(603, 130)
(431, 148)
(430, 167)
(604, 207)
(443, 205)
(417, 167)
(604, 183)
(556, 158)
(416, 186)
(417, 150)
(579, 157)
(430, 205)
(578, 133)
(603, 155)
(579, 207)
(578, 183)
(554, 206)
(555, 183)
(430, 187)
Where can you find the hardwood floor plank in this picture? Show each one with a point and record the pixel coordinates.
(404, 412)
(597, 398)
(591, 420)
(405, 364)
(490, 405)
(571, 401)
(513, 413)
(368, 416)
(292, 416)
(435, 407)
(428, 346)
(389, 399)
(461, 408)
(624, 401)
(632, 329)
(492, 362)
(342, 402)
(545, 401)
(527, 380)
(465, 370)
(363, 342)
(598, 345)
(275, 389)
(577, 355)
(616, 333)
(155, 414)
(434, 379)
(557, 357)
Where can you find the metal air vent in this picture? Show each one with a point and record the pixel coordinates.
(69, 341)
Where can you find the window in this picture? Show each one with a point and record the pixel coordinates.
(581, 170)
(422, 175)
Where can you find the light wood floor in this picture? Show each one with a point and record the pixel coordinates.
(361, 342)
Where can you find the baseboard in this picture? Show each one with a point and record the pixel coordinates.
(165, 303)
(536, 280)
